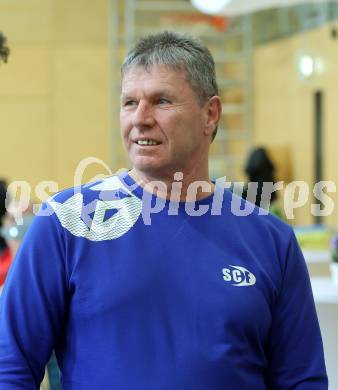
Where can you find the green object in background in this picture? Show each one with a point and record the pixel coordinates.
(316, 237)
(277, 211)
(334, 248)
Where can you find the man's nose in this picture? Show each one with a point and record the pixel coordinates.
(143, 115)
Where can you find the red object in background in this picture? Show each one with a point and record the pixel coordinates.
(5, 262)
(220, 23)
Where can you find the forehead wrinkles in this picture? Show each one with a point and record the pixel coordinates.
(153, 82)
(156, 68)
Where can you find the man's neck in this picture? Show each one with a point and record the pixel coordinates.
(176, 187)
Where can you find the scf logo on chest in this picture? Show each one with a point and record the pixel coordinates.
(239, 276)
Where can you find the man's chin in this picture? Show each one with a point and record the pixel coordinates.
(153, 169)
(145, 164)
(147, 169)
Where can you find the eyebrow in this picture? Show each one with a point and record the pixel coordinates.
(125, 97)
(155, 94)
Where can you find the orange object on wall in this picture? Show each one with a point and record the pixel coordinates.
(220, 23)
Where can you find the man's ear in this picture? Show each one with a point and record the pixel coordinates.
(213, 112)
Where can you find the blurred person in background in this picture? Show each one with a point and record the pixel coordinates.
(5, 254)
(5, 257)
(4, 53)
(260, 169)
(3, 191)
(13, 234)
(186, 301)
(4, 50)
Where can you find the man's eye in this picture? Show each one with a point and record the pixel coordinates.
(163, 101)
(130, 103)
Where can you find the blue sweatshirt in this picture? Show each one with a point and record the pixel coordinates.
(208, 302)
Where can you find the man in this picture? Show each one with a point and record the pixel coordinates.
(140, 282)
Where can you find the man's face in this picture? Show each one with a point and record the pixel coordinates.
(163, 125)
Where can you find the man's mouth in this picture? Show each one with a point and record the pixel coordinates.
(147, 142)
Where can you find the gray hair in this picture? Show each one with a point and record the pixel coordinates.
(179, 52)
